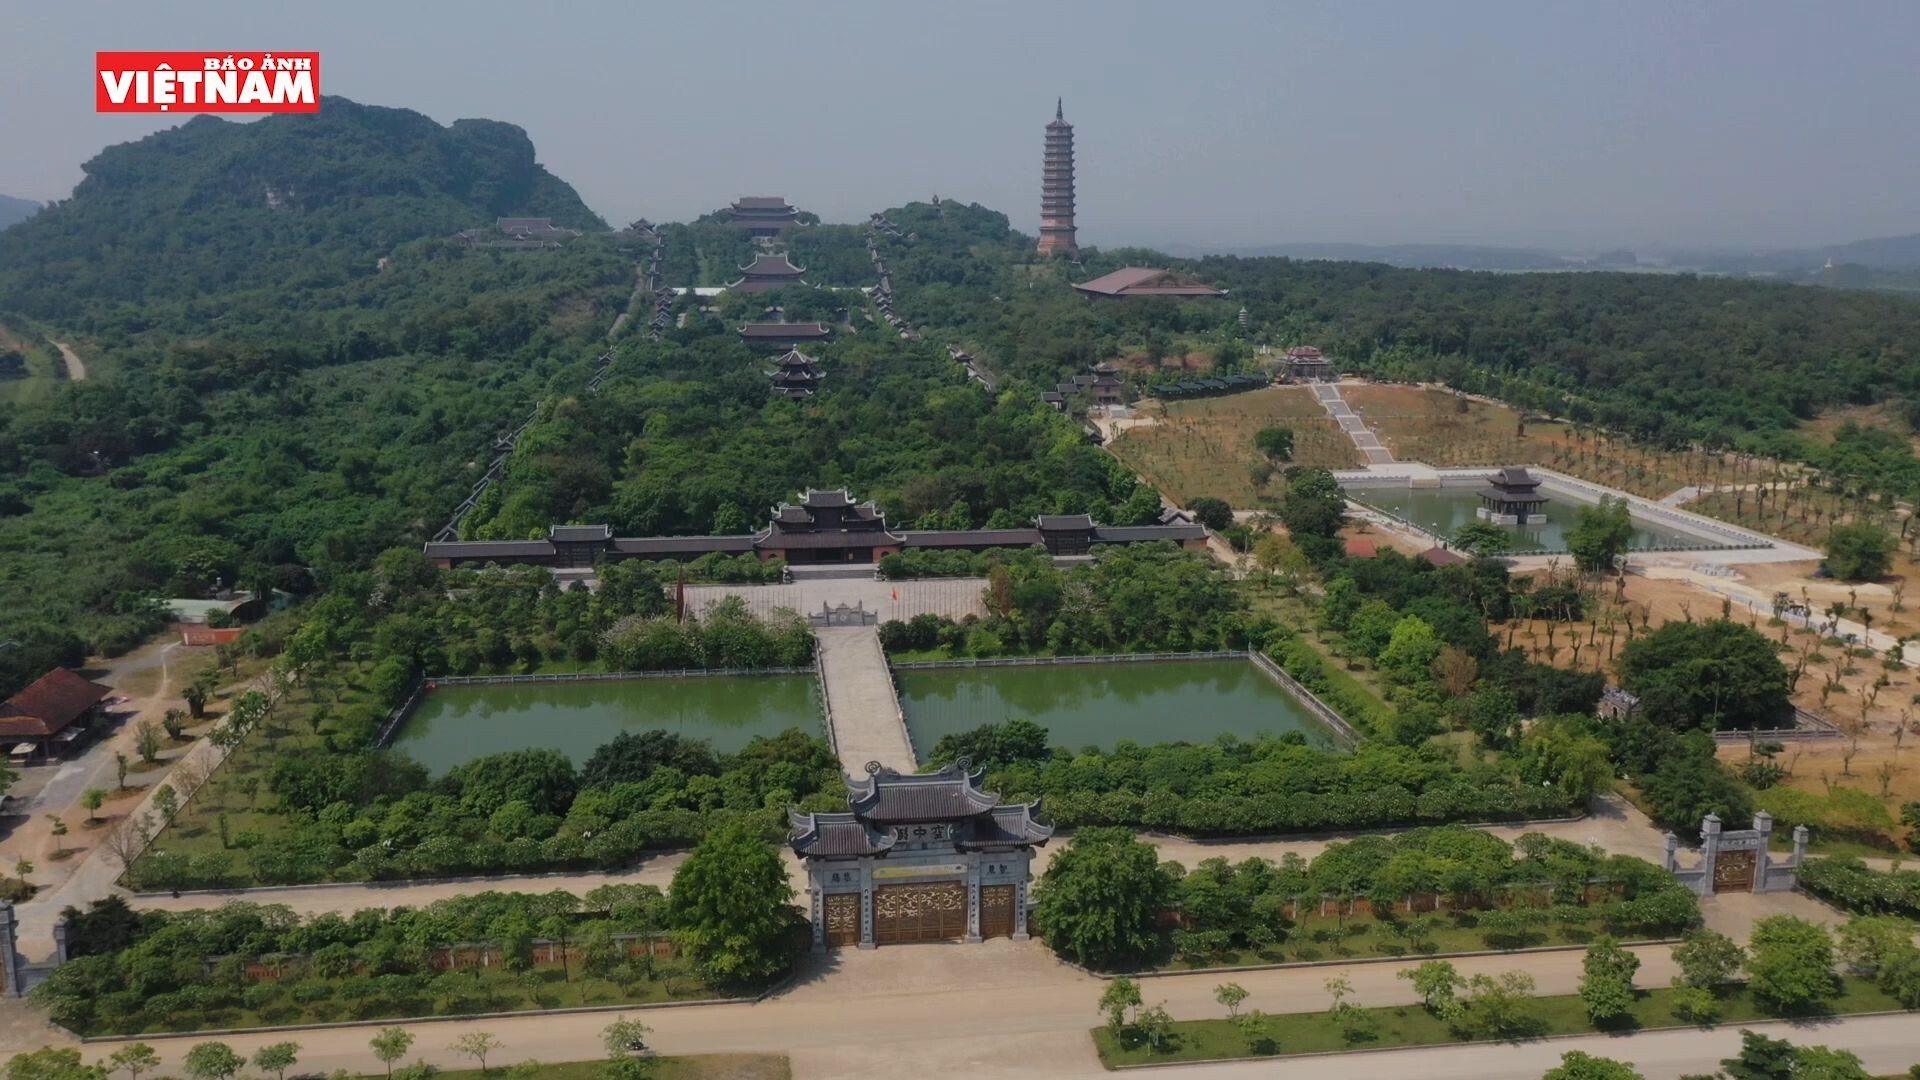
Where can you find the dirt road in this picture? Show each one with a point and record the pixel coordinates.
(76, 367)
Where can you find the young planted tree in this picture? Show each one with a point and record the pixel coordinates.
(93, 800)
(1790, 969)
(1580, 1065)
(1100, 897)
(1120, 995)
(213, 1061)
(1606, 982)
(476, 1045)
(1230, 995)
(390, 1045)
(1707, 960)
(133, 1060)
(277, 1058)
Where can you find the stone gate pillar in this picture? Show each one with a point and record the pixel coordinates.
(866, 908)
(1020, 912)
(817, 901)
(1763, 858)
(1709, 848)
(9, 952)
(1799, 846)
(973, 904)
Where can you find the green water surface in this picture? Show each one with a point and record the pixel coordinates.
(455, 724)
(1441, 511)
(1100, 705)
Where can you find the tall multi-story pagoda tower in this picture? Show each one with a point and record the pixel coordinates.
(1056, 188)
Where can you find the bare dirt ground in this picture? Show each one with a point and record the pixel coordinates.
(1205, 446)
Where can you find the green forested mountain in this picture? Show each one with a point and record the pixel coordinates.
(267, 403)
(291, 202)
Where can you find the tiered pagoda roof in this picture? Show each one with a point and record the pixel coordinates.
(1056, 187)
(922, 805)
(795, 374)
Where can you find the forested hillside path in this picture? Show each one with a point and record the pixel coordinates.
(864, 710)
(76, 367)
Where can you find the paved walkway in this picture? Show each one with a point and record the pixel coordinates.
(1356, 428)
(867, 725)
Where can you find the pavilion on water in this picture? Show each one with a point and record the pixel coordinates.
(918, 857)
(1512, 497)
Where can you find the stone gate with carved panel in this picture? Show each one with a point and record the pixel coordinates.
(1737, 861)
(926, 857)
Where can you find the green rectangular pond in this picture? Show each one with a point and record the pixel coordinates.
(1100, 705)
(456, 724)
(1441, 511)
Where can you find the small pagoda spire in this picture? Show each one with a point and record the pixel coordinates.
(1059, 108)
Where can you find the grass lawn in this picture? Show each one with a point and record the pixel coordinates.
(1411, 1025)
(691, 1067)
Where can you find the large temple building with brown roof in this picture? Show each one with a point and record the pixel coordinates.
(820, 527)
(766, 272)
(926, 857)
(763, 215)
(1136, 281)
(50, 716)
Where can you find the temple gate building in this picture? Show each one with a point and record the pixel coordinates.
(1738, 861)
(1056, 188)
(784, 335)
(1306, 364)
(926, 857)
(1512, 497)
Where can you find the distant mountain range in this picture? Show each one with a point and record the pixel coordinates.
(1888, 262)
(14, 210)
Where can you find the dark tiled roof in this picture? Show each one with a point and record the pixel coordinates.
(772, 265)
(48, 704)
(673, 545)
(487, 549)
(1063, 522)
(1440, 556)
(830, 538)
(971, 538)
(890, 797)
(782, 331)
(575, 534)
(1134, 534)
(1005, 825)
(791, 515)
(814, 499)
(835, 834)
(1513, 478)
(761, 202)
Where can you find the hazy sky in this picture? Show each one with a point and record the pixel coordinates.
(1539, 122)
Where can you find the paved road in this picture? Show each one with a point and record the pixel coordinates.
(1008, 1009)
(860, 694)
